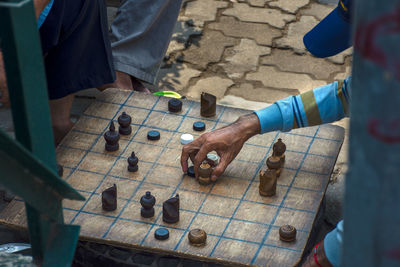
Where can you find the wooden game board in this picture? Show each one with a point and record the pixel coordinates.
(242, 226)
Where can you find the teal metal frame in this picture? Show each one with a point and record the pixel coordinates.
(30, 170)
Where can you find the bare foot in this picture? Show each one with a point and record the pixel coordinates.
(138, 86)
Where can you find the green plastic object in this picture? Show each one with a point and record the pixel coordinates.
(31, 172)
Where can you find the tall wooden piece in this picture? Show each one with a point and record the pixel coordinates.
(372, 215)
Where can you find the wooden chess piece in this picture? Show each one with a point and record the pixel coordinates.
(171, 210)
(197, 237)
(124, 121)
(147, 201)
(279, 149)
(274, 163)
(208, 105)
(268, 180)
(112, 138)
(133, 163)
(109, 198)
(287, 233)
(205, 171)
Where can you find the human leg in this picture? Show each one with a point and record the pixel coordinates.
(60, 110)
(140, 35)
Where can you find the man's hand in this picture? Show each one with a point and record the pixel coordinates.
(226, 141)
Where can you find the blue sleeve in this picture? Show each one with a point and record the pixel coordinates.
(322, 105)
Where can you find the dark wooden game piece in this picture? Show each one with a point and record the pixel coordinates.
(161, 234)
(174, 105)
(153, 135)
(190, 172)
(112, 138)
(60, 170)
(205, 169)
(109, 198)
(133, 163)
(147, 201)
(208, 105)
(199, 126)
(268, 180)
(287, 233)
(124, 121)
(274, 163)
(197, 237)
(279, 149)
(171, 210)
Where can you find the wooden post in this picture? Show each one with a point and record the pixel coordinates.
(372, 206)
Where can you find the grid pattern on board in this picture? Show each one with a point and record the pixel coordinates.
(235, 217)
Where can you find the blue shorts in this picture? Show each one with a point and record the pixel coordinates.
(76, 48)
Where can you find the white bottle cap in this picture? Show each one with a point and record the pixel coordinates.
(186, 139)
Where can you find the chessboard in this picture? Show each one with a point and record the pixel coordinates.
(242, 227)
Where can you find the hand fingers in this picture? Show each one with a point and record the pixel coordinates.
(184, 158)
(219, 170)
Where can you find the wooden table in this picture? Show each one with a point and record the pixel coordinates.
(242, 226)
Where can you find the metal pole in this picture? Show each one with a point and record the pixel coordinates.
(372, 206)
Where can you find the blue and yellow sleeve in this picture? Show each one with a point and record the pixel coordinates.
(324, 104)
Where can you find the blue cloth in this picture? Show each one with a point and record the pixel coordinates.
(333, 34)
(290, 111)
(44, 14)
(333, 245)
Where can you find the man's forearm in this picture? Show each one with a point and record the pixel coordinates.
(248, 125)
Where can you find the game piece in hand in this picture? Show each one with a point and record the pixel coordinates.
(213, 159)
(274, 163)
(147, 201)
(109, 198)
(161, 234)
(153, 135)
(197, 237)
(279, 149)
(171, 210)
(112, 138)
(133, 163)
(124, 121)
(287, 233)
(190, 172)
(186, 139)
(174, 105)
(205, 171)
(199, 126)
(208, 105)
(268, 180)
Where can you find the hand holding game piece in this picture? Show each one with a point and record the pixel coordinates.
(133, 163)
(171, 210)
(147, 201)
(109, 198)
(124, 121)
(112, 138)
(226, 142)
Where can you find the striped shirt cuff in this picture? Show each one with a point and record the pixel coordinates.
(270, 118)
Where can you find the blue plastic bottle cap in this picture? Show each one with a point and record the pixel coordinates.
(199, 126)
(161, 234)
(153, 135)
(190, 172)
